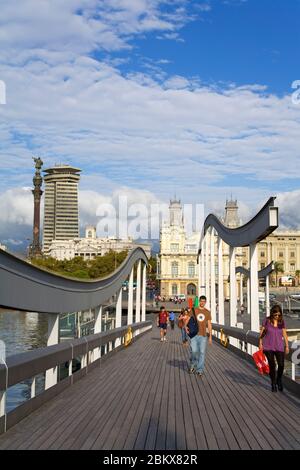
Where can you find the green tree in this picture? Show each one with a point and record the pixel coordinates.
(278, 268)
(297, 276)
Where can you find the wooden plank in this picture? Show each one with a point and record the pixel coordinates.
(109, 399)
(128, 421)
(72, 413)
(233, 415)
(256, 416)
(179, 398)
(171, 422)
(197, 434)
(153, 424)
(149, 404)
(103, 421)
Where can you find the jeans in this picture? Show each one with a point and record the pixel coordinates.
(198, 351)
(184, 335)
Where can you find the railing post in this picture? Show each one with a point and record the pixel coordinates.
(33, 388)
(254, 288)
(138, 293)
(144, 292)
(293, 371)
(213, 276)
(268, 295)
(248, 296)
(2, 402)
(119, 315)
(98, 329)
(53, 338)
(220, 282)
(202, 269)
(241, 289)
(207, 273)
(233, 296)
(130, 298)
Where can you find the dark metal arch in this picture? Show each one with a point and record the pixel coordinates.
(262, 274)
(28, 288)
(257, 229)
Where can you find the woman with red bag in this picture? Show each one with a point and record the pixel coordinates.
(273, 341)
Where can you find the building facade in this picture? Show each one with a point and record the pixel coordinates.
(177, 260)
(282, 246)
(61, 214)
(90, 246)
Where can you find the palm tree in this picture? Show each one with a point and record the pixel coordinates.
(297, 276)
(278, 268)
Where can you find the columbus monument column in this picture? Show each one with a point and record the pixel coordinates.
(35, 249)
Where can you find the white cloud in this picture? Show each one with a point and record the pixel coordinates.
(289, 213)
(84, 25)
(152, 132)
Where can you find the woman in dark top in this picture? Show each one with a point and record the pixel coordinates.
(274, 342)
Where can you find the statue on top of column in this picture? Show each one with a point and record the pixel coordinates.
(38, 163)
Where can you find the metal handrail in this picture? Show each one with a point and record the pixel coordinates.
(31, 363)
(249, 337)
(28, 288)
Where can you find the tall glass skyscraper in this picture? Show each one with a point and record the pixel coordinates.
(61, 214)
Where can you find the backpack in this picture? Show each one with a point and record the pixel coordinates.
(193, 327)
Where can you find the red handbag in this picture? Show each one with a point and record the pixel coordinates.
(261, 362)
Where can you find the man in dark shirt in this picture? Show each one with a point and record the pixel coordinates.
(163, 318)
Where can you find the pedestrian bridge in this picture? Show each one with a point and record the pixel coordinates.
(100, 392)
(142, 397)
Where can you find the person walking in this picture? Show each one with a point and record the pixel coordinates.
(202, 317)
(182, 320)
(242, 309)
(163, 318)
(172, 320)
(273, 341)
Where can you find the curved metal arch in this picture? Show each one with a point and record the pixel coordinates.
(262, 274)
(28, 288)
(257, 229)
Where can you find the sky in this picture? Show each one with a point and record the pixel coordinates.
(151, 98)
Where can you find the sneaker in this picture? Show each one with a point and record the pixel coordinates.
(161, 339)
(165, 339)
(199, 374)
(191, 370)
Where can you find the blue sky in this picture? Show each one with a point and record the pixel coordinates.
(151, 97)
(255, 41)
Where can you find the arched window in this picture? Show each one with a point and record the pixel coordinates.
(174, 269)
(174, 289)
(191, 269)
(191, 289)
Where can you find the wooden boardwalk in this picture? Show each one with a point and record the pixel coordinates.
(144, 398)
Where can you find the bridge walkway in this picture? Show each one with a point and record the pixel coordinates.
(143, 398)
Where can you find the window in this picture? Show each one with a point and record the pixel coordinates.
(280, 254)
(292, 267)
(292, 254)
(90, 234)
(191, 248)
(191, 270)
(262, 254)
(174, 247)
(174, 269)
(262, 265)
(174, 289)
